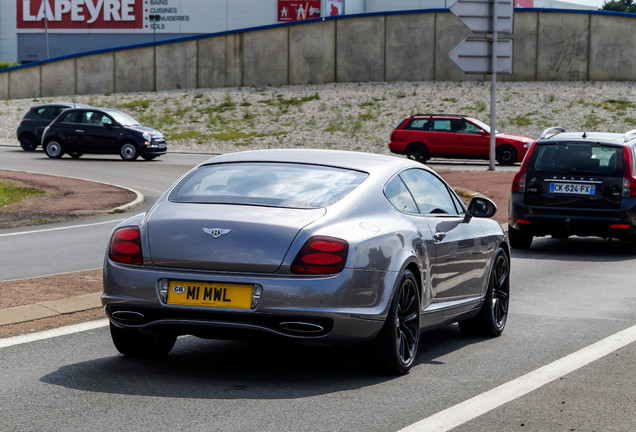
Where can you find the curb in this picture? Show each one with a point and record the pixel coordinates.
(139, 197)
(47, 309)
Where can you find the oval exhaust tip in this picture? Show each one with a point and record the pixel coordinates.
(301, 327)
(128, 316)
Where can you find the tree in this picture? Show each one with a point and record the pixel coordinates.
(620, 6)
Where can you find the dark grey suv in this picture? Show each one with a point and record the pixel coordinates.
(575, 183)
(34, 121)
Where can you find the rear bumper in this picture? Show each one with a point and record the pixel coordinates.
(349, 307)
(559, 221)
(397, 148)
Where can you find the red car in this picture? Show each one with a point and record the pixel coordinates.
(423, 136)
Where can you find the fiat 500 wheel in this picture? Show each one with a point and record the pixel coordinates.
(53, 149)
(128, 152)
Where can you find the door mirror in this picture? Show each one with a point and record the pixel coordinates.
(482, 207)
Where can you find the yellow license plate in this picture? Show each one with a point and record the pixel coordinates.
(210, 294)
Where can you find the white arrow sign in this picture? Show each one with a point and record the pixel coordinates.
(478, 15)
(474, 55)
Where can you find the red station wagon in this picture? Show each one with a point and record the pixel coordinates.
(423, 136)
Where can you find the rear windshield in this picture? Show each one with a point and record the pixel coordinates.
(269, 184)
(578, 158)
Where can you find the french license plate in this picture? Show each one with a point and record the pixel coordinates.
(573, 188)
(210, 294)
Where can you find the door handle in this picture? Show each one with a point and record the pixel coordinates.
(439, 236)
(79, 130)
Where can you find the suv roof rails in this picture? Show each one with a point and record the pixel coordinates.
(438, 114)
(630, 135)
(555, 130)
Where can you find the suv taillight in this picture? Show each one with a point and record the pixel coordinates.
(629, 182)
(125, 246)
(519, 180)
(321, 256)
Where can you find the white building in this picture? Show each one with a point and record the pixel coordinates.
(33, 30)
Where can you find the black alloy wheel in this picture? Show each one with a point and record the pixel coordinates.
(417, 152)
(492, 317)
(506, 155)
(396, 346)
(28, 142)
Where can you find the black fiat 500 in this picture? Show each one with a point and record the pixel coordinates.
(575, 183)
(101, 131)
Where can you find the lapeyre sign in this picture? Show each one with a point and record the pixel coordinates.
(77, 14)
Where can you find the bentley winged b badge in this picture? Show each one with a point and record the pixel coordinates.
(216, 232)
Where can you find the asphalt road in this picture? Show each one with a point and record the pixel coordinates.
(566, 296)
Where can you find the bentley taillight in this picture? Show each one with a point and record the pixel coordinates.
(321, 256)
(125, 246)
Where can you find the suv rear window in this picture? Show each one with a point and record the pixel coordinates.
(578, 158)
(269, 184)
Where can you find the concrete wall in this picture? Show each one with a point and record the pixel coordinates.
(135, 70)
(411, 46)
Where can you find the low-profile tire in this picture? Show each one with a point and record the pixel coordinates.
(128, 152)
(28, 142)
(519, 239)
(75, 155)
(148, 157)
(492, 317)
(417, 152)
(506, 155)
(133, 343)
(395, 348)
(54, 149)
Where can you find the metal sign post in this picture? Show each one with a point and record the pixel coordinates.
(493, 90)
(485, 55)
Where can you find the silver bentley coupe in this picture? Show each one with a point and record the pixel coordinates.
(311, 245)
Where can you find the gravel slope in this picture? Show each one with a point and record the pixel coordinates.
(353, 116)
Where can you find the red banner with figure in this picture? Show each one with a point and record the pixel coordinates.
(335, 7)
(294, 10)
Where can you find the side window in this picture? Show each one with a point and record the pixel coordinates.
(94, 118)
(472, 128)
(73, 117)
(419, 124)
(441, 125)
(47, 113)
(459, 126)
(399, 196)
(431, 195)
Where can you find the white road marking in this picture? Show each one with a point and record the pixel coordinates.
(62, 228)
(47, 334)
(472, 408)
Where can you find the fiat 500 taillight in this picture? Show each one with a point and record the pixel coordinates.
(125, 246)
(320, 256)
